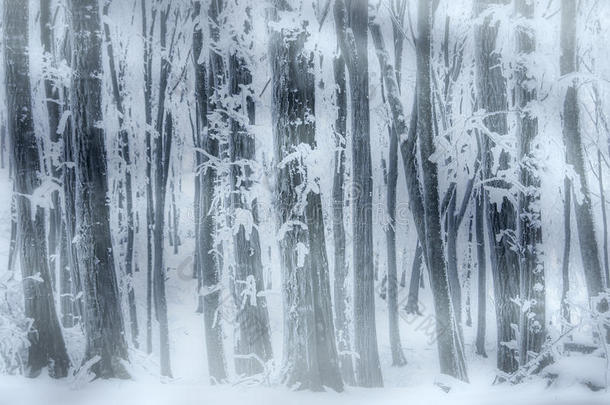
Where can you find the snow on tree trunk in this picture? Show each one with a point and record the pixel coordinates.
(102, 317)
(353, 39)
(448, 331)
(574, 148)
(340, 269)
(501, 212)
(310, 353)
(532, 288)
(253, 344)
(47, 347)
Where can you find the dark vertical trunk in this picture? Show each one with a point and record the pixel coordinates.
(47, 347)
(354, 18)
(468, 280)
(602, 195)
(127, 190)
(310, 353)
(448, 331)
(147, 37)
(532, 284)
(162, 153)
(479, 225)
(398, 358)
(567, 243)
(412, 306)
(573, 140)
(501, 217)
(54, 111)
(13, 247)
(102, 318)
(342, 323)
(391, 280)
(208, 259)
(254, 342)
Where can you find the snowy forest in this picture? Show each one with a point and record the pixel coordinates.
(289, 201)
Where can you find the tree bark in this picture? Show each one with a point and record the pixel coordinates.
(532, 283)
(353, 38)
(253, 345)
(501, 217)
(342, 322)
(46, 343)
(103, 317)
(448, 331)
(574, 148)
(479, 225)
(310, 354)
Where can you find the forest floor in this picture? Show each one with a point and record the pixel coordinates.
(414, 384)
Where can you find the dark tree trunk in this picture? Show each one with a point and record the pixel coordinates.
(208, 259)
(532, 288)
(567, 243)
(147, 37)
(162, 152)
(254, 342)
(54, 111)
(398, 358)
(502, 219)
(354, 18)
(574, 148)
(47, 347)
(448, 331)
(103, 318)
(342, 322)
(310, 353)
(479, 226)
(13, 247)
(412, 306)
(125, 155)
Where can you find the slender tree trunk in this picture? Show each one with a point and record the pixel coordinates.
(103, 317)
(501, 217)
(354, 18)
(479, 225)
(341, 271)
(162, 153)
(125, 155)
(391, 279)
(53, 104)
(209, 260)
(448, 331)
(310, 353)
(13, 247)
(572, 137)
(253, 318)
(565, 264)
(532, 288)
(412, 306)
(46, 344)
(147, 36)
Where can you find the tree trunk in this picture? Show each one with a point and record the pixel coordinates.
(567, 239)
(103, 317)
(532, 283)
(310, 354)
(147, 37)
(209, 260)
(54, 111)
(412, 306)
(46, 344)
(125, 155)
(572, 137)
(479, 226)
(501, 219)
(448, 331)
(254, 341)
(354, 18)
(342, 322)
(162, 152)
